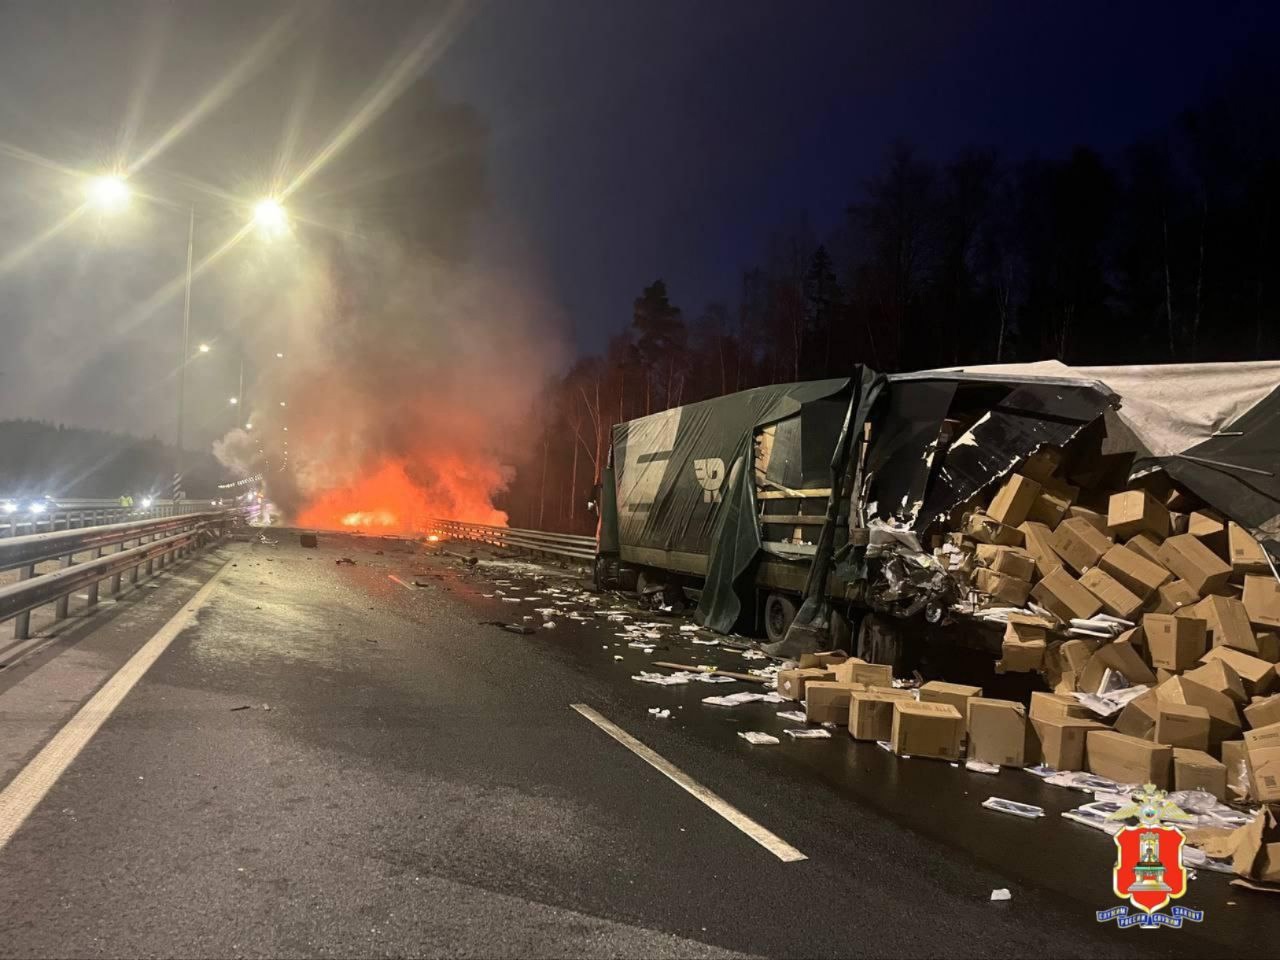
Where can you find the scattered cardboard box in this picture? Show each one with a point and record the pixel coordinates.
(1049, 509)
(1175, 595)
(1221, 676)
(1116, 599)
(1228, 623)
(1175, 643)
(824, 660)
(1262, 601)
(871, 713)
(1012, 501)
(868, 674)
(1193, 769)
(1145, 545)
(926, 729)
(1062, 740)
(1136, 573)
(1038, 543)
(1263, 748)
(1190, 560)
(1182, 725)
(1245, 553)
(1236, 759)
(1062, 594)
(1075, 654)
(1257, 850)
(1263, 712)
(1224, 720)
(1022, 649)
(1257, 675)
(827, 701)
(1080, 544)
(1120, 655)
(999, 733)
(791, 682)
(1003, 587)
(1056, 706)
(956, 694)
(1134, 512)
(1128, 759)
(1210, 530)
(1013, 561)
(1040, 466)
(1138, 717)
(984, 529)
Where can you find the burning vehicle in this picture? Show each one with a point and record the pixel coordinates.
(847, 511)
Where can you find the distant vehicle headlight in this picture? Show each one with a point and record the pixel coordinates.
(9, 507)
(146, 503)
(38, 508)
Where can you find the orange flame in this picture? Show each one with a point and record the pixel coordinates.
(388, 500)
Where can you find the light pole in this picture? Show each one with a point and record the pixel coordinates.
(178, 493)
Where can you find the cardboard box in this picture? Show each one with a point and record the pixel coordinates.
(1228, 623)
(1145, 545)
(1178, 522)
(824, 660)
(1116, 599)
(1257, 852)
(1120, 655)
(1224, 719)
(1175, 595)
(1245, 553)
(1263, 748)
(1136, 511)
(1136, 573)
(1022, 649)
(1095, 519)
(956, 694)
(1236, 759)
(827, 701)
(1263, 712)
(871, 713)
(868, 674)
(791, 682)
(999, 733)
(1190, 560)
(1210, 530)
(1080, 544)
(1268, 645)
(984, 529)
(1042, 464)
(1062, 740)
(1182, 725)
(1062, 594)
(1221, 676)
(1257, 675)
(1193, 769)
(1037, 538)
(1012, 501)
(1013, 561)
(1075, 653)
(1138, 716)
(926, 729)
(1049, 509)
(1261, 602)
(1003, 587)
(1055, 706)
(1175, 643)
(1128, 759)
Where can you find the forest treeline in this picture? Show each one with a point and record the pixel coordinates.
(1165, 251)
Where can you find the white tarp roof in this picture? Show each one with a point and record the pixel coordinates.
(1170, 407)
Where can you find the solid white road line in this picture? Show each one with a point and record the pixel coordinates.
(392, 576)
(770, 841)
(29, 787)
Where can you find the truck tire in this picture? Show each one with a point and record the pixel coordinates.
(779, 611)
(881, 640)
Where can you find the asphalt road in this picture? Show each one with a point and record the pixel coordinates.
(332, 762)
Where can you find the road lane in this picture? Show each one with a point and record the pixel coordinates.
(404, 775)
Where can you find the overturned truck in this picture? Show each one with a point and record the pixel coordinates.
(949, 502)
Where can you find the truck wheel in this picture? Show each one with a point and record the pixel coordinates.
(779, 611)
(880, 641)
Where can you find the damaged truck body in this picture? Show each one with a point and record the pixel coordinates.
(798, 510)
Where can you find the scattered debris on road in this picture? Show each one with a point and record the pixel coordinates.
(307, 540)
(1001, 893)
(1026, 810)
(345, 561)
(758, 737)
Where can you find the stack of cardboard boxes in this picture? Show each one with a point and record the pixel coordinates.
(1205, 612)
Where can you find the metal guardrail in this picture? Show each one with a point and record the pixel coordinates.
(159, 542)
(69, 514)
(512, 538)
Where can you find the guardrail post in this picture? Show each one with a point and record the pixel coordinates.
(133, 571)
(151, 562)
(60, 605)
(115, 579)
(22, 622)
(93, 587)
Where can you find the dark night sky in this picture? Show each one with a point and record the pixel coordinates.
(626, 140)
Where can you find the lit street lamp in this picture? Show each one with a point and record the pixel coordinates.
(234, 400)
(270, 216)
(203, 348)
(108, 193)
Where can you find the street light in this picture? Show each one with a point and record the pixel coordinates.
(204, 348)
(108, 193)
(279, 356)
(234, 400)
